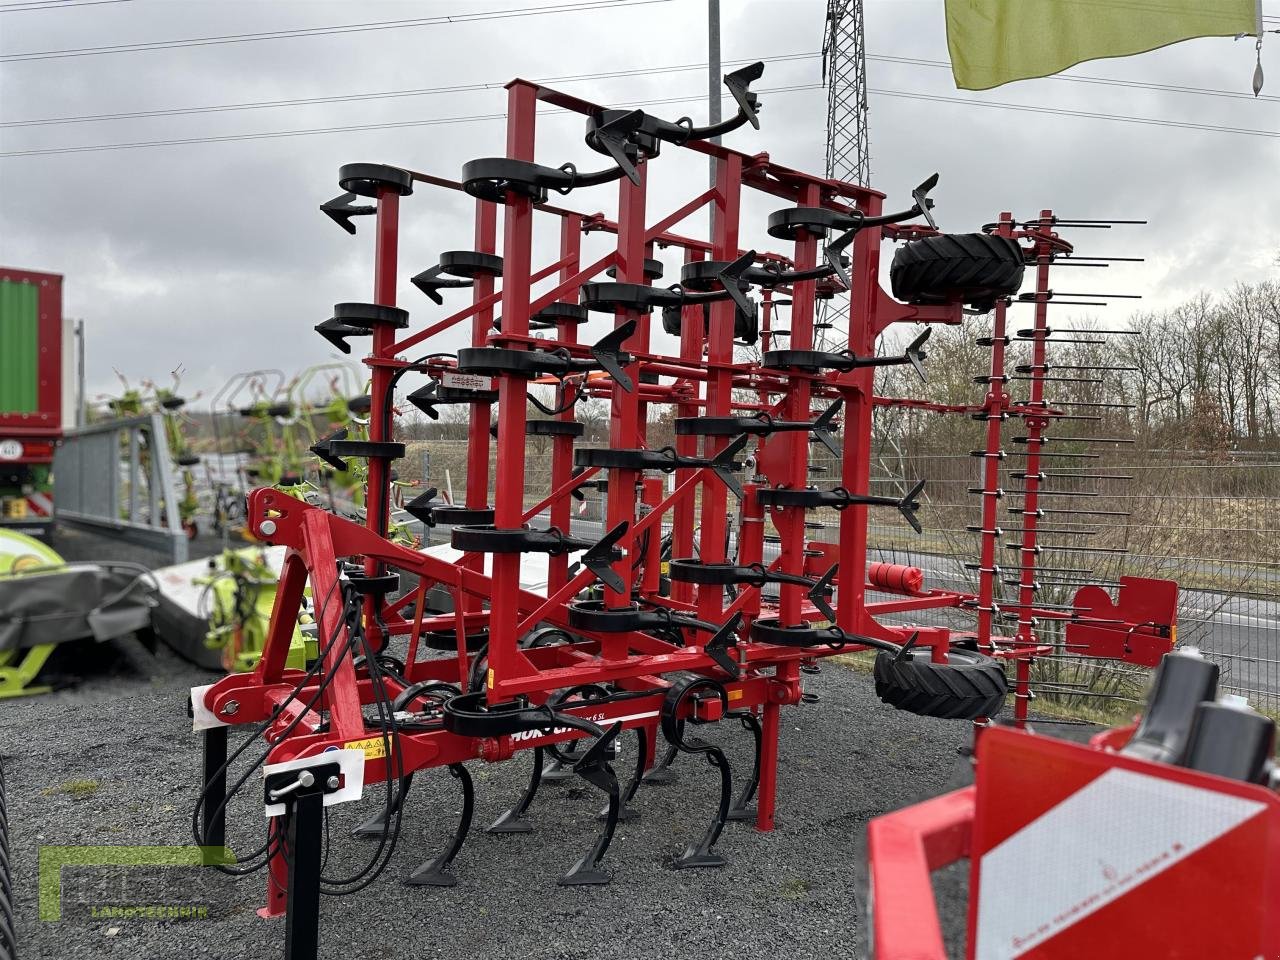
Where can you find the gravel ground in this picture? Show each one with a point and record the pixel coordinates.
(111, 760)
(77, 774)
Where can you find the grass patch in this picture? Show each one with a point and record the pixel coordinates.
(73, 788)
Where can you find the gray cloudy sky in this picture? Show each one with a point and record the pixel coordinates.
(214, 255)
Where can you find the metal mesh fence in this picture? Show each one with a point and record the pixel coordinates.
(1206, 521)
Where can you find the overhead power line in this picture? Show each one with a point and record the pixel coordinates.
(573, 78)
(441, 20)
(391, 94)
(440, 121)
(36, 7)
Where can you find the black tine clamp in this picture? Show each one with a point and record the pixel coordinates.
(593, 616)
(666, 460)
(839, 498)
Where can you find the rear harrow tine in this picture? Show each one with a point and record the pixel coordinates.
(556, 772)
(376, 825)
(699, 854)
(661, 774)
(596, 771)
(626, 812)
(438, 872)
(513, 820)
(741, 809)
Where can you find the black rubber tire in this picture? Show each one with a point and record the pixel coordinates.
(968, 686)
(972, 268)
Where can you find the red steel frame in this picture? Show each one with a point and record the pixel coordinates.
(706, 376)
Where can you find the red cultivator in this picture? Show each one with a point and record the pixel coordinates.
(661, 624)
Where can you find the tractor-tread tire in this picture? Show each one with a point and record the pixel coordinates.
(972, 268)
(968, 686)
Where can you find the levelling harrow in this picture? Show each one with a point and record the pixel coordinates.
(659, 623)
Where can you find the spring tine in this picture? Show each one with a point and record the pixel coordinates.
(1043, 606)
(1088, 476)
(1076, 583)
(1073, 403)
(1044, 453)
(1032, 367)
(1068, 221)
(1047, 569)
(1058, 379)
(1074, 440)
(1064, 548)
(1077, 257)
(1086, 513)
(1062, 303)
(1110, 296)
(1054, 530)
(1049, 342)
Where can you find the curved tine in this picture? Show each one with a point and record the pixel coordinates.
(376, 825)
(627, 812)
(437, 872)
(595, 770)
(742, 809)
(661, 774)
(700, 854)
(556, 771)
(513, 820)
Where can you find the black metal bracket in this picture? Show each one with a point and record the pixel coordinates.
(492, 178)
(844, 360)
(367, 449)
(432, 280)
(321, 448)
(606, 353)
(558, 312)
(667, 460)
(599, 556)
(754, 575)
(762, 424)
(649, 133)
(593, 616)
(652, 270)
(840, 498)
(367, 179)
(342, 208)
(434, 394)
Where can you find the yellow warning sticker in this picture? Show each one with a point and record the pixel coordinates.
(735, 695)
(666, 567)
(374, 748)
(491, 678)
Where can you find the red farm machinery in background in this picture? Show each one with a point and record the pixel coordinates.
(32, 401)
(666, 622)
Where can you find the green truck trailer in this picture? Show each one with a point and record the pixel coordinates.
(36, 396)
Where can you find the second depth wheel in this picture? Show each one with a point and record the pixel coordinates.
(968, 686)
(973, 268)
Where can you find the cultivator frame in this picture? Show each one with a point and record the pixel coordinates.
(633, 654)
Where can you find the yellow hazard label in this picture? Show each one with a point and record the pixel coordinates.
(374, 747)
(491, 678)
(666, 567)
(735, 695)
